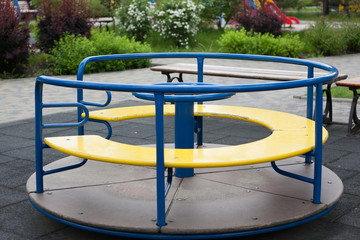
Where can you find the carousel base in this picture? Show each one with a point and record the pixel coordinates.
(215, 203)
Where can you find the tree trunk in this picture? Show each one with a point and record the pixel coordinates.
(325, 7)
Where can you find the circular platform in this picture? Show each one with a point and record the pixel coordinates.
(216, 202)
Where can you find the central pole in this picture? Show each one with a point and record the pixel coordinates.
(184, 133)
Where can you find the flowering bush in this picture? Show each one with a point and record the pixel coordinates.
(135, 18)
(178, 21)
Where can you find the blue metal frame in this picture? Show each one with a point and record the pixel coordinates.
(159, 91)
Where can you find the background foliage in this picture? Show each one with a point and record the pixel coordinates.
(14, 40)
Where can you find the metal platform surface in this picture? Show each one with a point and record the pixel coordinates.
(122, 198)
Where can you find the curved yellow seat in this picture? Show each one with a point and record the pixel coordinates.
(292, 135)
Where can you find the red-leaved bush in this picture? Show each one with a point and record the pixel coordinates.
(262, 20)
(58, 17)
(14, 39)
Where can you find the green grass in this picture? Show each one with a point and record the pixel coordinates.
(341, 92)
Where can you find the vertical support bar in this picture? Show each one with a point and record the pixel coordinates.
(310, 95)
(80, 98)
(160, 164)
(318, 144)
(200, 65)
(310, 105)
(184, 133)
(38, 137)
(199, 140)
(200, 130)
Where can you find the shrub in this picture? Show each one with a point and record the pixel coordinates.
(262, 20)
(248, 42)
(352, 37)
(108, 43)
(70, 50)
(58, 17)
(40, 63)
(14, 39)
(135, 18)
(325, 39)
(178, 21)
(213, 9)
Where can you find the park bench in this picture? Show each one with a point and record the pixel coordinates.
(25, 9)
(102, 21)
(251, 73)
(354, 122)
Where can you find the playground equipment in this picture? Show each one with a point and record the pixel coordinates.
(118, 192)
(271, 5)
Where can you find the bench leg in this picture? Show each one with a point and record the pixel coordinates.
(327, 115)
(171, 79)
(354, 122)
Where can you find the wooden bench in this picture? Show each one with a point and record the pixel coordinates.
(103, 20)
(25, 9)
(354, 122)
(252, 73)
(292, 136)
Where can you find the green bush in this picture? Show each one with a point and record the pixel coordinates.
(352, 37)
(108, 43)
(248, 42)
(325, 39)
(40, 63)
(70, 50)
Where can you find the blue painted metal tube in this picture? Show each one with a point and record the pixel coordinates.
(292, 175)
(184, 133)
(58, 125)
(38, 137)
(69, 167)
(310, 104)
(318, 143)
(215, 56)
(108, 100)
(199, 120)
(200, 129)
(168, 181)
(160, 159)
(200, 65)
(107, 124)
(310, 95)
(186, 89)
(80, 98)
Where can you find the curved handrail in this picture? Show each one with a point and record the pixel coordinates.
(208, 89)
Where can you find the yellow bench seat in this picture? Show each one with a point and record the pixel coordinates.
(292, 135)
